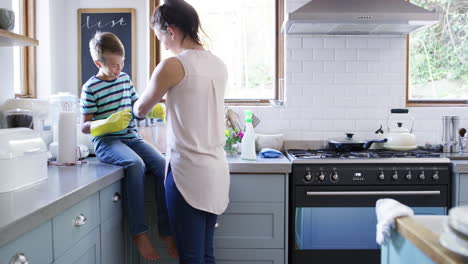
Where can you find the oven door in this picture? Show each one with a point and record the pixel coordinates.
(328, 219)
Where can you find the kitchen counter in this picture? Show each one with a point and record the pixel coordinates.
(456, 156)
(24, 209)
(260, 165)
(460, 166)
(423, 231)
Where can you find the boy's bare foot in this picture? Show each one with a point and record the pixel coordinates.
(171, 246)
(145, 247)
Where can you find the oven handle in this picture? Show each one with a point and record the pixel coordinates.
(369, 193)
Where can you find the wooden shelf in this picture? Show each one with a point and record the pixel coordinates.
(8, 38)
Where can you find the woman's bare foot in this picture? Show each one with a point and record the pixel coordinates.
(145, 247)
(171, 246)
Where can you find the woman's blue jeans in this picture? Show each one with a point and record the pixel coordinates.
(137, 157)
(193, 228)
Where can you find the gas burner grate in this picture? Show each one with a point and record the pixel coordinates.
(368, 154)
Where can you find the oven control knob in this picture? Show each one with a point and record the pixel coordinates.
(334, 177)
(408, 176)
(421, 176)
(435, 176)
(308, 177)
(381, 176)
(321, 176)
(395, 176)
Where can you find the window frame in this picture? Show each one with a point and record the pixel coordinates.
(28, 58)
(155, 56)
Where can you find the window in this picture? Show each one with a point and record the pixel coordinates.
(247, 36)
(24, 57)
(438, 57)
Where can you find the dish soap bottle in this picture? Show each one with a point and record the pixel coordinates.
(248, 141)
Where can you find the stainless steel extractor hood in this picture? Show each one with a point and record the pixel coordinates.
(358, 17)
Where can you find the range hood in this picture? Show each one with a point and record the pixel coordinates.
(358, 17)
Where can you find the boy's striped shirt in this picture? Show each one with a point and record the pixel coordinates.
(103, 98)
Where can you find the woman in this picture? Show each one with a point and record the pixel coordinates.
(197, 174)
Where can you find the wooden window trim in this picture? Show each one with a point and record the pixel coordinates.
(155, 57)
(28, 28)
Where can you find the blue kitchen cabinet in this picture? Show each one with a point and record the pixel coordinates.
(112, 246)
(460, 189)
(252, 230)
(86, 251)
(34, 246)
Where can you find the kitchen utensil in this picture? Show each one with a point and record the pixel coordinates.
(255, 120)
(348, 143)
(400, 138)
(232, 120)
(446, 134)
(378, 135)
(19, 118)
(455, 134)
(7, 19)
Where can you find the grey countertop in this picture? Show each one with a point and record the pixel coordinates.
(460, 166)
(260, 165)
(23, 210)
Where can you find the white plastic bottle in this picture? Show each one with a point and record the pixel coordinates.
(248, 141)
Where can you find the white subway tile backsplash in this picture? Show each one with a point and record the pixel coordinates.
(345, 78)
(302, 54)
(293, 66)
(324, 54)
(307, 135)
(312, 66)
(293, 42)
(398, 43)
(368, 54)
(335, 43)
(391, 54)
(367, 78)
(393, 78)
(334, 66)
(344, 126)
(324, 78)
(356, 90)
(312, 42)
(345, 100)
(312, 90)
(356, 66)
(379, 43)
(345, 54)
(300, 124)
(301, 78)
(356, 43)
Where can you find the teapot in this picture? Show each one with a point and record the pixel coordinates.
(400, 138)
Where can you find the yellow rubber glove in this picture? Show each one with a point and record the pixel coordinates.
(158, 112)
(114, 123)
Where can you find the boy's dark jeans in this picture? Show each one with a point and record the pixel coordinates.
(137, 157)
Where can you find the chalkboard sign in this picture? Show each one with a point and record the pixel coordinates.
(121, 22)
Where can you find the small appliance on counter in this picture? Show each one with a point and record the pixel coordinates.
(23, 158)
(19, 118)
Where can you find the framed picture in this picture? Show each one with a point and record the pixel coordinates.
(121, 22)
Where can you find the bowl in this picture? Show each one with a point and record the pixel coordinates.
(7, 19)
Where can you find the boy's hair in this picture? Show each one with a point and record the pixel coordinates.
(105, 41)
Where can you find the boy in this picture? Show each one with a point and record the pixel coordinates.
(106, 103)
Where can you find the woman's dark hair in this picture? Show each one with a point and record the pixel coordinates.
(180, 14)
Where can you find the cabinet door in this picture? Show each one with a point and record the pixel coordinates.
(251, 225)
(260, 188)
(112, 246)
(463, 189)
(86, 251)
(35, 245)
(249, 256)
(110, 201)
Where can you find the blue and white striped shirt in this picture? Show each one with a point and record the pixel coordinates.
(103, 98)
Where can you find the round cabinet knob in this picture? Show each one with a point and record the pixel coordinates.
(80, 220)
(422, 176)
(19, 258)
(395, 176)
(334, 177)
(381, 176)
(322, 176)
(308, 177)
(435, 176)
(216, 226)
(408, 176)
(116, 197)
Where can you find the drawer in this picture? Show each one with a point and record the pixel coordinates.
(110, 201)
(261, 188)
(75, 223)
(463, 188)
(35, 245)
(251, 225)
(250, 256)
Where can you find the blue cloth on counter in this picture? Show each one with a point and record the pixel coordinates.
(270, 153)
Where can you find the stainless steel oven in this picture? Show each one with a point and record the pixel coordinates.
(332, 213)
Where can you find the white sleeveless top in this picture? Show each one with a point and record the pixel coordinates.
(195, 132)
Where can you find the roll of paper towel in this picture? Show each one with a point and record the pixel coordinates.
(67, 138)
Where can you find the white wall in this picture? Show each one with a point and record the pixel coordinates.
(6, 69)
(343, 84)
(59, 42)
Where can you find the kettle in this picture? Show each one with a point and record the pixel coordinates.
(400, 138)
